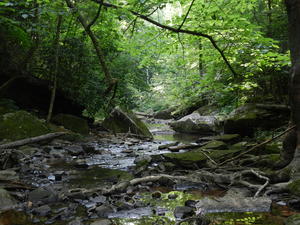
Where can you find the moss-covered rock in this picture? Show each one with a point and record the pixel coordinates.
(195, 123)
(197, 156)
(294, 187)
(21, 124)
(215, 145)
(7, 106)
(73, 123)
(245, 119)
(122, 121)
(293, 220)
(228, 138)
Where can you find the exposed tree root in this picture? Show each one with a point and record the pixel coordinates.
(122, 186)
(257, 146)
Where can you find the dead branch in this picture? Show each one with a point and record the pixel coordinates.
(31, 140)
(257, 146)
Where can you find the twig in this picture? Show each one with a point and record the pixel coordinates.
(96, 17)
(186, 15)
(257, 146)
(207, 156)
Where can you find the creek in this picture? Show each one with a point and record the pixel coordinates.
(61, 175)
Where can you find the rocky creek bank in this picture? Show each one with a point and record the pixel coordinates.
(107, 178)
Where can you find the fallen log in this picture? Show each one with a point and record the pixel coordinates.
(31, 140)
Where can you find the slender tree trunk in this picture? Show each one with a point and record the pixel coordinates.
(95, 42)
(293, 11)
(56, 66)
(23, 66)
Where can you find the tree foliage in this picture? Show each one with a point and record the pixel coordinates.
(155, 68)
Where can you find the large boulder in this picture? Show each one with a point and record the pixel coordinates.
(21, 124)
(73, 123)
(195, 123)
(121, 121)
(246, 119)
(164, 114)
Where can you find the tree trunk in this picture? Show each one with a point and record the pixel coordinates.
(95, 42)
(293, 11)
(56, 46)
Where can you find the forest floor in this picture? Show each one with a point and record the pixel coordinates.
(118, 179)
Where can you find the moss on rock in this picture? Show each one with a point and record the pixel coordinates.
(215, 145)
(73, 123)
(197, 156)
(293, 220)
(294, 187)
(21, 124)
(7, 106)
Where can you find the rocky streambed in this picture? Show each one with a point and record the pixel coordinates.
(67, 182)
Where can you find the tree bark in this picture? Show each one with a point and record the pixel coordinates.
(293, 11)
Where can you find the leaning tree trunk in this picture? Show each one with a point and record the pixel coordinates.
(101, 58)
(293, 11)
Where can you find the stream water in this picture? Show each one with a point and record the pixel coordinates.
(112, 160)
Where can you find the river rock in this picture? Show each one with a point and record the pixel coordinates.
(121, 121)
(101, 222)
(20, 124)
(195, 123)
(73, 123)
(245, 119)
(142, 160)
(6, 201)
(182, 212)
(74, 150)
(8, 175)
(43, 194)
(234, 203)
(76, 221)
(104, 210)
(42, 210)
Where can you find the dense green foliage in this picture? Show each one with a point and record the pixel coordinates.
(155, 68)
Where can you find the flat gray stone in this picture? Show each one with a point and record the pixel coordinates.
(234, 203)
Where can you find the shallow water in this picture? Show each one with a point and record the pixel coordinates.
(111, 164)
